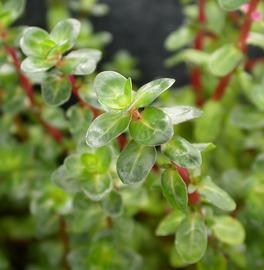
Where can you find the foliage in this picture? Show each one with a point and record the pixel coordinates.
(99, 184)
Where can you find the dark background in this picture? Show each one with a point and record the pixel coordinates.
(139, 26)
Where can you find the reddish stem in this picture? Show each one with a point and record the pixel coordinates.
(242, 45)
(65, 241)
(29, 91)
(196, 74)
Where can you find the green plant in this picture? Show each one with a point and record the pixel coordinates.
(99, 184)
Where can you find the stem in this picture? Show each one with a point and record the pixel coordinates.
(29, 91)
(196, 74)
(242, 45)
(65, 241)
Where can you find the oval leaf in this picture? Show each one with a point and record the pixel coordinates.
(174, 189)
(106, 127)
(153, 128)
(183, 153)
(112, 204)
(224, 60)
(113, 90)
(150, 91)
(135, 162)
(216, 196)
(228, 230)
(231, 4)
(56, 90)
(191, 239)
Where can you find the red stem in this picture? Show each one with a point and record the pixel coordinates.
(242, 45)
(196, 75)
(29, 91)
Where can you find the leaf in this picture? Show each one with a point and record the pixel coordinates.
(228, 230)
(96, 186)
(231, 4)
(112, 204)
(215, 195)
(80, 62)
(33, 64)
(112, 90)
(176, 260)
(247, 118)
(169, 224)
(65, 33)
(182, 153)
(153, 128)
(56, 90)
(191, 239)
(36, 42)
(204, 147)
(179, 38)
(208, 127)
(135, 162)
(181, 114)
(11, 10)
(150, 91)
(174, 189)
(106, 127)
(224, 60)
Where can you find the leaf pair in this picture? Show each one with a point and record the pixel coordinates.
(44, 50)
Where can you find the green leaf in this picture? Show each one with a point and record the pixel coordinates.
(80, 62)
(215, 195)
(231, 4)
(135, 162)
(208, 127)
(180, 114)
(95, 186)
(228, 230)
(179, 38)
(182, 152)
(11, 10)
(36, 42)
(176, 260)
(256, 39)
(247, 117)
(224, 60)
(150, 91)
(191, 239)
(65, 33)
(169, 224)
(204, 147)
(113, 90)
(33, 64)
(107, 127)
(56, 90)
(153, 128)
(112, 204)
(174, 189)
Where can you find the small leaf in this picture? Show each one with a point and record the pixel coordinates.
(174, 189)
(204, 147)
(231, 4)
(256, 39)
(228, 230)
(191, 239)
(112, 204)
(150, 91)
(169, 224)
(179, 38)
(56, 90)
(112, 90)
(224, 60)
(65, 33)
(181, 114)
(183, 153)
(208, 127)
(153, 128)
(36, 42)
(80, 62)
(33, 64)
(215, 195)
(106, 127)
(96, 186)
(135, 162)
